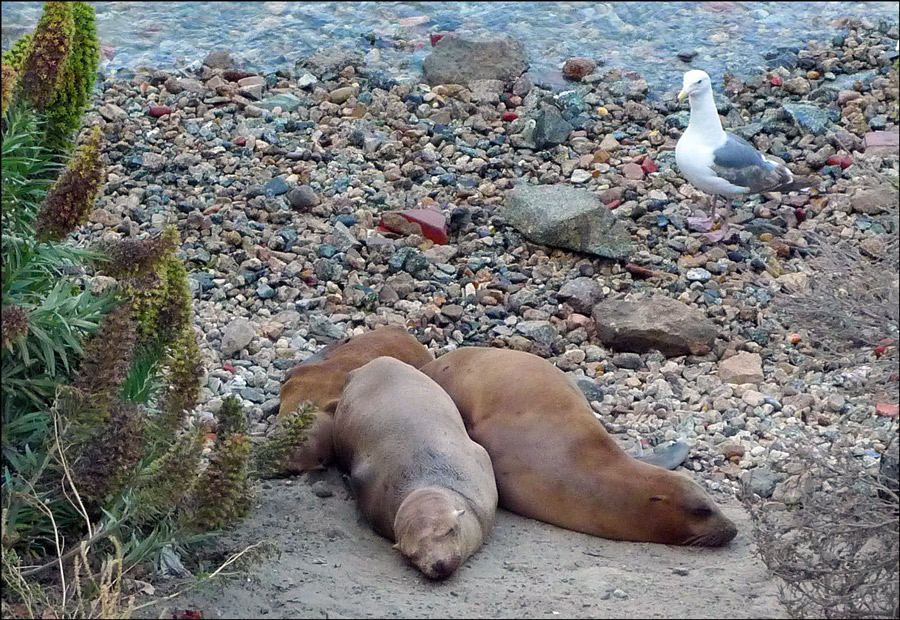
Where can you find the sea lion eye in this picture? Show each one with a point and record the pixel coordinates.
(702, 511)
(657, 498)
(700, 80)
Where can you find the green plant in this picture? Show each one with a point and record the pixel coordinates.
(271, 458)
(73, 195)
(15, 56)
(49, 51)
(222, 495)
(70, 100)
(9, 83)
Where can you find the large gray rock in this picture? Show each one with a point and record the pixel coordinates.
(654, 323)
(461, 59)
(566, 217)
(237, 335)
(581, 294)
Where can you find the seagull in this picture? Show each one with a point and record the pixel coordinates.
(720, 163)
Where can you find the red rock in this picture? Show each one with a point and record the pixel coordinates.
(575, 320)
(880, 350)
(159, 110)
(885, 142)
(437, 36)
(648, 166)
(800, 215)
(578, 67)
(638, 271)
(510, 116)
(612, 205)
(233, 75)
(240, 140)
(776, 80)
(633, 171)
(229, 368)
(843, 161)
(887, 410)
(432, 223)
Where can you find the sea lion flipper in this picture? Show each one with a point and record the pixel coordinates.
(670, 458)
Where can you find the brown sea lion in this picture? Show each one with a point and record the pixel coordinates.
(419, 480)
(321, 378)
(554, 461)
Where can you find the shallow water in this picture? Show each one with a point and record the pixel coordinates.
(643, 36)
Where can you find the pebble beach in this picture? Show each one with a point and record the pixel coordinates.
(322, 186)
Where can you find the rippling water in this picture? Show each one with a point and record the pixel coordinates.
(643, 36)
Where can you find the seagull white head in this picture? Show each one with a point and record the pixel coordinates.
(695, 81)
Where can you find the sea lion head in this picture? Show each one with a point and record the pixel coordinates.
(675, 510)
(434, 531)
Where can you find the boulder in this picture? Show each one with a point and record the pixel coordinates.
(461, 59)
(657, 322)
(566, 217)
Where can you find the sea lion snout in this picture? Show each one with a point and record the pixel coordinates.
(442, 569)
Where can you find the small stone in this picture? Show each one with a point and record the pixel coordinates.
(433, 224)
(741, 368)
(732, 450)
(302, 198)
(843, 161)
(277, 187)
(454, 312)
(237, 335)
(577, 67)
(633, 171)
(340, 95)
(159, 110)
(887, 410)
(698, 275)
(609, 143)
(580, 176)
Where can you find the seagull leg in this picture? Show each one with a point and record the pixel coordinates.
(707, 223)
(720, 229)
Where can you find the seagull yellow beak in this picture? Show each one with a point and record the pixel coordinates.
(682, 95)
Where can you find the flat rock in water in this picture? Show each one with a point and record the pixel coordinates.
(329, 62)
(566, 217)
(463, 59)
(657, 322)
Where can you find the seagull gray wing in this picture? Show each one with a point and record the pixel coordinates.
(740, 164)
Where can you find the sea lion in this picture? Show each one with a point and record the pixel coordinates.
(321, 378)
(554, 461)
(419, 480)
